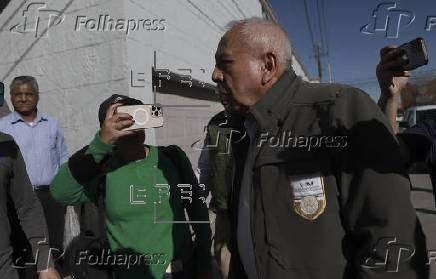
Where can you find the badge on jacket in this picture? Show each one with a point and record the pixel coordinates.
(308, 195)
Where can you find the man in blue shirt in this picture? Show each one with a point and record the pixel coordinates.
(42, 144)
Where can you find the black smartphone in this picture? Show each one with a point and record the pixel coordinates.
(2, 93)
(415, 53)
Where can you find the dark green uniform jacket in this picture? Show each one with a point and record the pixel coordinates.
(330, 196)
(222, 130)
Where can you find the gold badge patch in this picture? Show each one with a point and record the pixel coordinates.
(308, 195)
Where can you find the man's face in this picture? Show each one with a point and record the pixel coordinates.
(24, 98)
(237, 74)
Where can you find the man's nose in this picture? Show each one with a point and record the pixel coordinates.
(217, 75)
(22, 97)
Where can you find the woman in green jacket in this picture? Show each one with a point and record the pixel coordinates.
(146, 191)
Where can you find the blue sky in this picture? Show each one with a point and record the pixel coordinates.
(354, 55)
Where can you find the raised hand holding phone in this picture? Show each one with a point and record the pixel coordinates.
(113, 125)
(145, 116)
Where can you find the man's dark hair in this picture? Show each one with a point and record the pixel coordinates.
(24, 79)
(115, 98)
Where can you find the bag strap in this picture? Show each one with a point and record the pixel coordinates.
(172, 153)
(93, 213)
(101, 197)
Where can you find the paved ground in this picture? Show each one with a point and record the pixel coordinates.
(423, 201)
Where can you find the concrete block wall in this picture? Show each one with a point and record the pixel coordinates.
(75, 70)
(78, 65)
(193, 29)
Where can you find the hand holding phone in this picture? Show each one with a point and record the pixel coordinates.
(145, 116)
(415, 53)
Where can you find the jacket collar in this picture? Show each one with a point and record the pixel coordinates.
(270, 111)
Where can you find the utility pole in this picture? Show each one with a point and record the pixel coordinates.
(318, 55)
(330, 73)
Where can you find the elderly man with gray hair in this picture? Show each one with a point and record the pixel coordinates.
(319, 189)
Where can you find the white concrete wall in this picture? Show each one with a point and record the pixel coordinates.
(298, 68)
(77, 69)
(192, 31)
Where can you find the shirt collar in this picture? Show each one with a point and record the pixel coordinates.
(16, 117)
(273, 107)
(250, 127)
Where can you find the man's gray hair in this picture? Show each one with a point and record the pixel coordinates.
(255, 31)
(24, 79)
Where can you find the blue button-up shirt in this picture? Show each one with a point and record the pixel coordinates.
(41, 143)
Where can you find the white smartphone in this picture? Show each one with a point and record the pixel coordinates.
(145, 116)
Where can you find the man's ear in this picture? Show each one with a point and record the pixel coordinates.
(11, 94)
(269, 67)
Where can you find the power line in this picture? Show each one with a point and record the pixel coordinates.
(308, 22)
(316, 47)
(320, 27)
(324, 22)
(313, 15)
